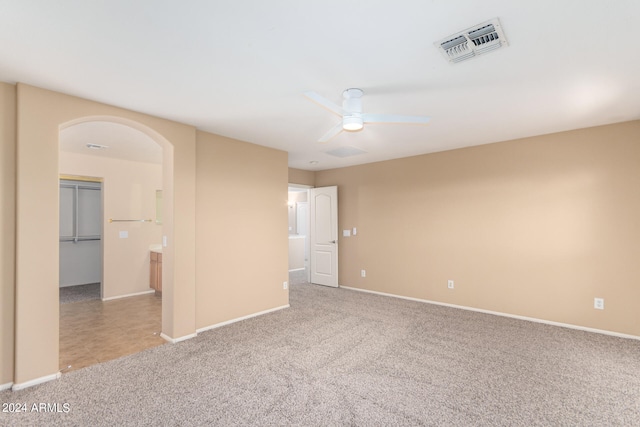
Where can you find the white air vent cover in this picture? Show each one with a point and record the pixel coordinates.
(346, 151)
(473, 41)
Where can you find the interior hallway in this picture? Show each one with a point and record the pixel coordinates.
(297, 277)
(95, 331)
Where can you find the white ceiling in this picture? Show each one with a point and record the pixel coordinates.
(239, 68)
(119, 141)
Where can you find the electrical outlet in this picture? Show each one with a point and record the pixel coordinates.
(450, 284)
(285, 285)
(363, 273)
(598, 303)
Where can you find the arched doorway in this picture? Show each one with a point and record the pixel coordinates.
(41, 114)
(122, 317)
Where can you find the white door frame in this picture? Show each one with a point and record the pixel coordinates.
(308, 239)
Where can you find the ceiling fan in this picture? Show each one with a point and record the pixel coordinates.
(353, 119)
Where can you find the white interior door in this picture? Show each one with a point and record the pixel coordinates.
(323, 207)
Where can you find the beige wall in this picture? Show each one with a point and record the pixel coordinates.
(7, 228)
(302, 177)
(242, 243)
(536, 227)
(129, 192)
(40, 114)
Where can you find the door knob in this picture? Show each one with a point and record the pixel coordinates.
(333, 241)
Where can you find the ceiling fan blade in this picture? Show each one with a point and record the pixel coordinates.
(333, 132)
(392, 118)
(324, 102)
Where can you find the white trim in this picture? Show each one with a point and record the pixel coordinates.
(6, 386)
(297, 269)
(303, 186)
(179, 339)
(307, 240)
(129, 295)
(37, 381)
(239, 319)
(497, 313)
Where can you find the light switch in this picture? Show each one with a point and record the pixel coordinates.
(164, 241)
(124, 234)
(346, 233)
(354, 231)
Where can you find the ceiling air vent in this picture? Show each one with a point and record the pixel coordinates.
(473, 41)
(346, 151)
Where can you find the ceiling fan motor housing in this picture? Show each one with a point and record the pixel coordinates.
(352, 104)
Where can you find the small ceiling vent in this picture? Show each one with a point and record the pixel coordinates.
(473, 41)
(97, 146)
(346, 151)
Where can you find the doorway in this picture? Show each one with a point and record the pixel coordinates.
(127, 318)
(313, 235)
(80, 275)
(298, 208)
(323, 220)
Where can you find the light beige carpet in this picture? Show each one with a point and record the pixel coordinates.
(340, 357)
(69, 294)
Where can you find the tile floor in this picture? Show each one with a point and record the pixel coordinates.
(95, 331)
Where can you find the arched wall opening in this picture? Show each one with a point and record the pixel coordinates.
(41, 115)
(107, 235)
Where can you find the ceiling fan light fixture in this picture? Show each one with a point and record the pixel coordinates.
(352, 123)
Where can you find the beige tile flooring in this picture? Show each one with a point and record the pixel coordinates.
(95, 331)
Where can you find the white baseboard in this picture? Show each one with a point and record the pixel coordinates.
(6, 386)
(497, 313)
(218, 325)
(239, 319)
(78, 284)
(296, 269)
(36, 381)
(151, 291)
(177, 340)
